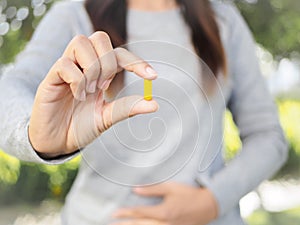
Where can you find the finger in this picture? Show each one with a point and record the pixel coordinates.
(104, 49)
(132, 63)
(154, 190)
(124, 108)
(142, 212)
(81, 51)
(140, 222)
(65, 71)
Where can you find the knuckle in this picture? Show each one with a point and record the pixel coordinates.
(101, 35)
(95, 68)
(77, 83)
(106, 125)
(109, 70)
(139, 62)
(79, 39)
(64, 61)
(62, 64)
(120, 50)
(143, 62)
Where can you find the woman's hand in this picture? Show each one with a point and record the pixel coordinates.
(181, 205)
(69, 110)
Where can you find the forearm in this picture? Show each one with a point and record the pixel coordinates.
(18, 86)
(262, 155)
(16, 99)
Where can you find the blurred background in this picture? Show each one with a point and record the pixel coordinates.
(31, 192)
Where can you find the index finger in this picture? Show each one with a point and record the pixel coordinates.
(132, 63)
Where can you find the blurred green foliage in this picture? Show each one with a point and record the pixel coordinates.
(29, 182)
(9, 48)
(275, 24)
(290, 116)
(261, 217)
(232, 140)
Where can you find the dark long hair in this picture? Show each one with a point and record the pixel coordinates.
(110, 16)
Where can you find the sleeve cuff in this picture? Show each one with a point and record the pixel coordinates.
(30, 155)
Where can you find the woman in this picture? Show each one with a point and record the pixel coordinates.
(54, 102)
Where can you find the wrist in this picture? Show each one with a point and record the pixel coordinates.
(38, 148)
(211, 204)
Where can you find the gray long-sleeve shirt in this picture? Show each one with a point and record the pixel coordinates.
(187, 132)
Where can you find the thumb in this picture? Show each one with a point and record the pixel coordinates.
(124, 108)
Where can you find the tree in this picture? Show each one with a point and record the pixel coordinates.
(17, 22)
(275, 24)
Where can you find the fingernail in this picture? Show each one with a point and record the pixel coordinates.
(92, 87)
(82, 96)
(151, 73)
(105, 85)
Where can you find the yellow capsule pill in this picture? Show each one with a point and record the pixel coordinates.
(148, 90)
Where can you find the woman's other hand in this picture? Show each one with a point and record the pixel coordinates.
(181, 204)
(69, 110)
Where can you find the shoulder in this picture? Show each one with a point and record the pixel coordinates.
(72, 13)
(224, 7)
(227, 12)
(230, 20)
(68, 5)
(237, 40)
(234, 30)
